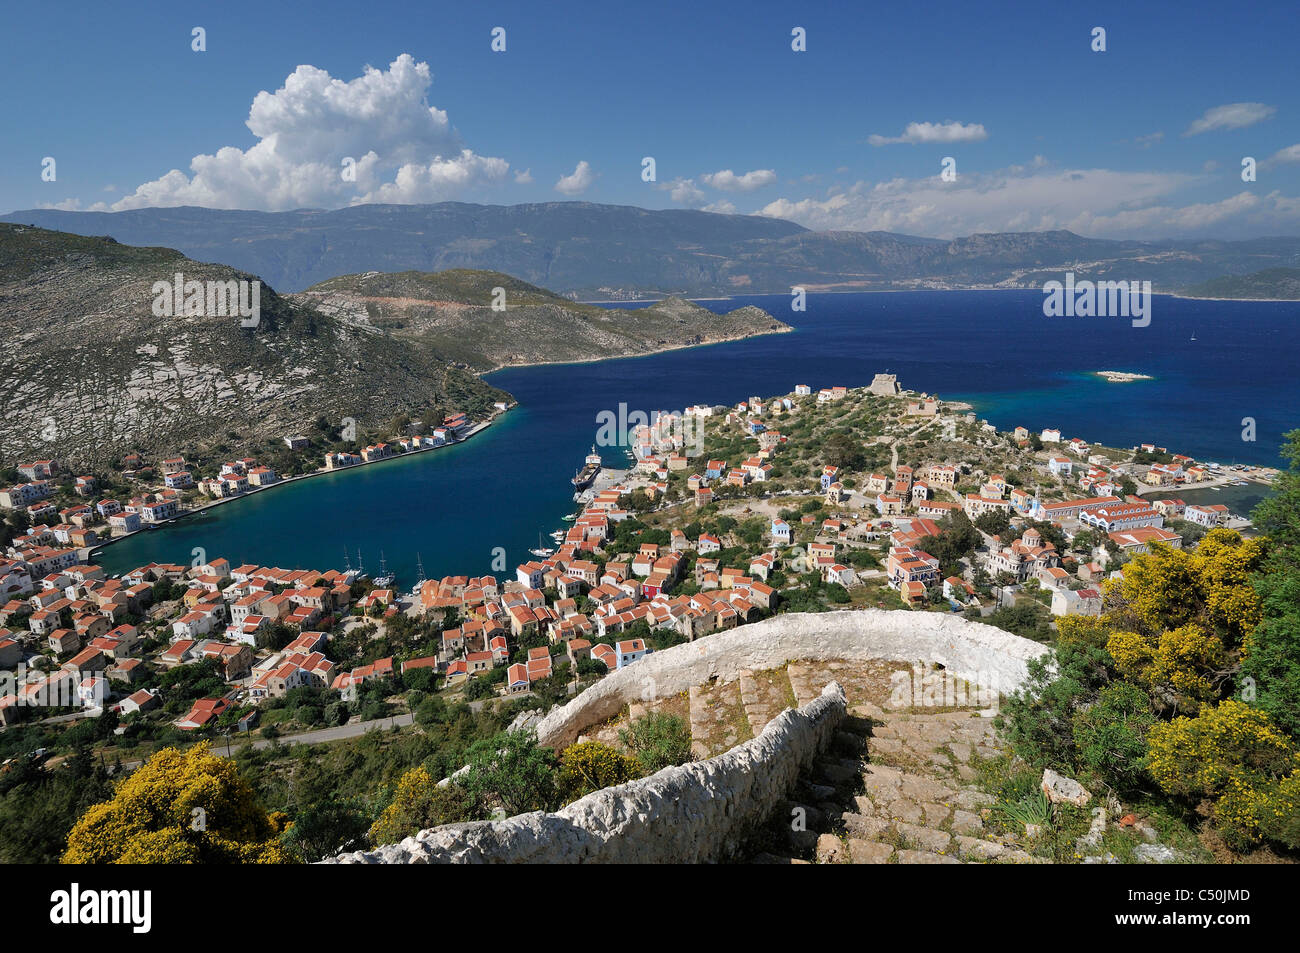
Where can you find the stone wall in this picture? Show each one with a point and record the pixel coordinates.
(694, 813)
(979, 653)
(702, 811)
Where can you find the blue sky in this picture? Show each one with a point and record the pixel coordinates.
(1144, 140)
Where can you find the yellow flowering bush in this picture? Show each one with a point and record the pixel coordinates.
(178, 808)
(419, 803)
(590, 766)
(1234, 755)
(1168, 588)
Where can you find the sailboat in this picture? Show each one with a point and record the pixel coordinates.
(385, 578)
(1193, 335)
(541, 550)
(419, 582)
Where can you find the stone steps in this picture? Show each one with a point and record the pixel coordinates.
(717, 717)
(764, 695)
(909, 798)
(807, 679)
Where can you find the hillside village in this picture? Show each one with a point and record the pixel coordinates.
(57, 518)
(816, 499)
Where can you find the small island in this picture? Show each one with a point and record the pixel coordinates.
(1123, 377)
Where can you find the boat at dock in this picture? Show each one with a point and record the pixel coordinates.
(385, 578)
(590, 470)
(541, 550)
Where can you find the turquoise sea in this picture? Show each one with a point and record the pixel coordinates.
(454, 507)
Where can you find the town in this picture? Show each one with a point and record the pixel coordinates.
(832, 498)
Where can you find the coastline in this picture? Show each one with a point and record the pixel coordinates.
(98, 548)
(476, 429)
(854, 291)
(786, 329)
(1172, 294)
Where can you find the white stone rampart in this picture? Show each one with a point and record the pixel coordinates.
(978, 653)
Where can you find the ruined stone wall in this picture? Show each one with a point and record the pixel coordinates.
(694, 813)
(702, 811)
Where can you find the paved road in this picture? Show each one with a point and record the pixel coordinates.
(321, 735)
(337, 733)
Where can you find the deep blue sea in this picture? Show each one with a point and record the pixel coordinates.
(993, 349)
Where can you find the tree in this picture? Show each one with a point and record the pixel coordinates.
(38, 806)
(657, 740)
(1270, 667)
(513, 769)
(326, 829)
(178, 808)
(842, 450)
(994, 522)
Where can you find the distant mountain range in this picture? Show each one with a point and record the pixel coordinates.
(92, 370)
(589, 251)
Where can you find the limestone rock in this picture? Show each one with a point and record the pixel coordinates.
(1062, 790)
(869, 851)
(830, 850)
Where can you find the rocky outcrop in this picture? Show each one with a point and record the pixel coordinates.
(980, 654)
(694, 813)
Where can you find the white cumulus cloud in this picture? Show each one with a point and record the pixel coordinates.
(923, 133)
(683, 191)
(326, 142)
(728, 181)
(1033, 197)
(1231, 116)
(578, 181)
(1284, 156)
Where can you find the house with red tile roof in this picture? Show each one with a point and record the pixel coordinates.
(204, 712)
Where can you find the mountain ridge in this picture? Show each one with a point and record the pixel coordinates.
(587, 250)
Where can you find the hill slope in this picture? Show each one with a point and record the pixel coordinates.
(1276, 283)
(447, 314)
(92, 368)
(586, 250)
(90, 372)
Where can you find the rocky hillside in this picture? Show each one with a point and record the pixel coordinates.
(451, 315)
(90, 372)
